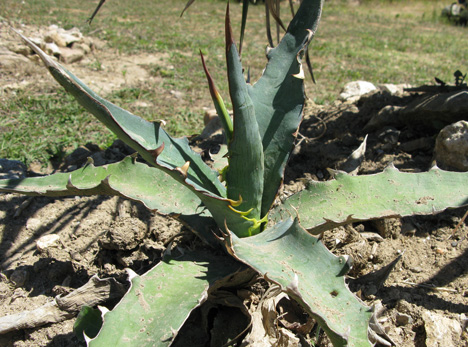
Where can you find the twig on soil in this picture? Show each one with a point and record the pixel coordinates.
(316, 137)
(96, 291)
(431, 287)
(23, 206)
(454, 244)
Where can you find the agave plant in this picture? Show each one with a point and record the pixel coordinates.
(233, 208)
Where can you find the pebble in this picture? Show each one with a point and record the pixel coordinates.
(352, 91)
(451, 149)
(33, 224)
(403, 319)
(440, 330)
(47, 241)
(416, 269)
(439, 251)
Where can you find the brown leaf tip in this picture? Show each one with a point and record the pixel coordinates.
(211, 84)
(228, 29)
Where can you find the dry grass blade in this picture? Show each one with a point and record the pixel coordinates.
(245, 10)
(90, 19)
(275, 12)
(268, 25)
(309, 65)
(291, 6)
(189, 3)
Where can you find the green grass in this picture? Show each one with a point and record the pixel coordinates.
(378, 41)
(42, 127)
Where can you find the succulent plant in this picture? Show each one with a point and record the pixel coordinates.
(237, 212)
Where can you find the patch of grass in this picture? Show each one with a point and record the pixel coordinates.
(378, 41)
(41, 127)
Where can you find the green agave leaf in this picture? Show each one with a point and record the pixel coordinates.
(148, 138)
(218, 102)
(346, 199)
(289, 256)
(173, 156)
(158, 302)
(136, 181)
(129, 178)
(244, 176)
(278, 97)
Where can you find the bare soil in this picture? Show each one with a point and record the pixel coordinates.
(103, 236)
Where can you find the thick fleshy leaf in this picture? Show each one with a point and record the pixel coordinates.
(244, 176)
(278, 97)
(289, 256)
(325, 205)
(158, 302)
(218, 102)
(139, 182)
(148, 138)
(129, 178)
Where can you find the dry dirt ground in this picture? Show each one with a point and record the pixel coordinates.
(424, 301)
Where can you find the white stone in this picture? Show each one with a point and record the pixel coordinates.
(82, 46)
(451, 149)
(63, 38)
(393, 88)
(441, 331)
(70, 55)
(47, 241)
(352, 91)
(52, 49)
(33, 224)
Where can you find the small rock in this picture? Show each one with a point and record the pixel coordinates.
(389, 88)
(177, 94)
(33, 224)
(47, 241)
(451, 148)
(403, 319)
(394, 89)
(441, 331)
(352, 91)
(82, 47)
(71, 55)
(388, 227)
(62, 37)
(439, 250)
(19, 48)
(52, 49)
(417, 269)
(19, 277)
(387, 116)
